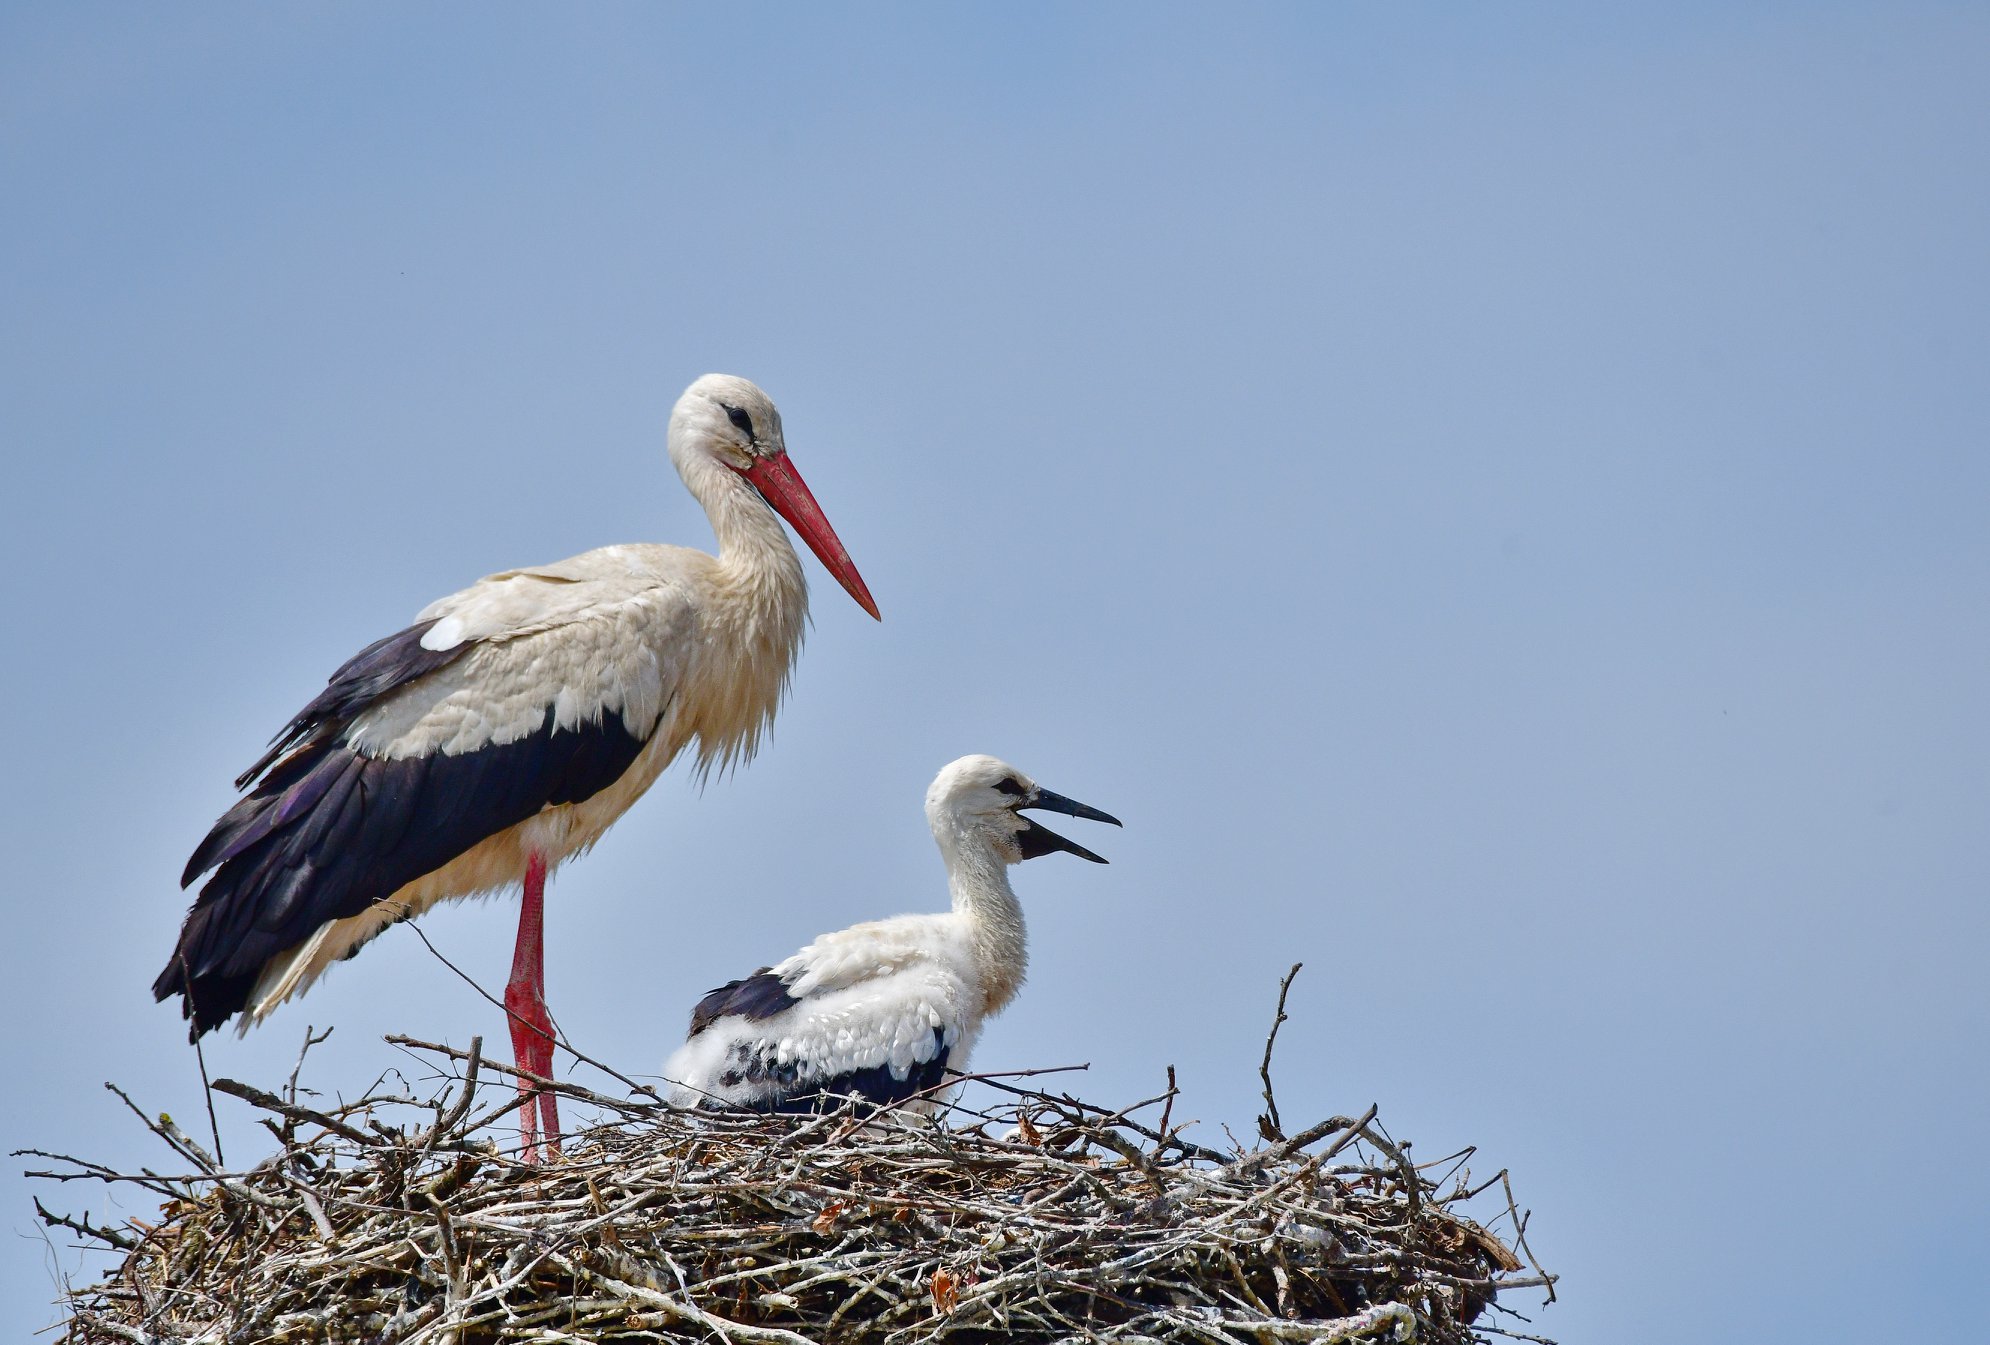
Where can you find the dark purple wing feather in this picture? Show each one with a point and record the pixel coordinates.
(759, 996)
(327, 832)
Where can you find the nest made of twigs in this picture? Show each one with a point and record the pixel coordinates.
(1041, 1217)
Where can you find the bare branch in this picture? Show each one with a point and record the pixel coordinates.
(95, 1232)
(1269, 1127)
(270, 1102)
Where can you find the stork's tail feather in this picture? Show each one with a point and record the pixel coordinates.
(206, 1001)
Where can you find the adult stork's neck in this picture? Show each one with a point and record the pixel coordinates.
(979, 881)
(753, 615)
(757, 563)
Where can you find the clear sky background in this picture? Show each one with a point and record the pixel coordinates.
(1497, 497)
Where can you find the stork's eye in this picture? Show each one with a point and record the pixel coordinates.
(1011, 785)
(741, 421)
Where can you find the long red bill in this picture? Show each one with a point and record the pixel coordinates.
(782, 486)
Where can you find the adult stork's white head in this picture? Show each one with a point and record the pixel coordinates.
(726, 422)
(881, 1011)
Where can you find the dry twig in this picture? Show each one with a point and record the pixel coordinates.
(1269, 1128)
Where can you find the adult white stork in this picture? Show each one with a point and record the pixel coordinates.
(881, 1010)
(505, 730)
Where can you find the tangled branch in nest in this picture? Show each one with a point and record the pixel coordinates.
(1042, 1218)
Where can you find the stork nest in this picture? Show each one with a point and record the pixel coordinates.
(400, 1218)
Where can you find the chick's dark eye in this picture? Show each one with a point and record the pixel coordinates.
(1011, 785)
(741, 421)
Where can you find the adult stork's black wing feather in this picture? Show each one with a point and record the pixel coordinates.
(382, 667)
(329, 831)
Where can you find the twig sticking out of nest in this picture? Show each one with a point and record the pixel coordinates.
(1043, 1219)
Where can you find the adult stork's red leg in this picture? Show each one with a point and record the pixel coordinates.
(531, 1024)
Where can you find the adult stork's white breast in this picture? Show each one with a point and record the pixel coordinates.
(882, 1010)
(506, 729)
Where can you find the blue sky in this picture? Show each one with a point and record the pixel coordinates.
(1494, 497)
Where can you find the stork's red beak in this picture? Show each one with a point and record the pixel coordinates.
(782, 486)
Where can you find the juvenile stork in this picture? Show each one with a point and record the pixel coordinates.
(881, 1010)
(505, 730)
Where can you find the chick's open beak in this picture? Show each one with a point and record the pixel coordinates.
(1037, 839)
